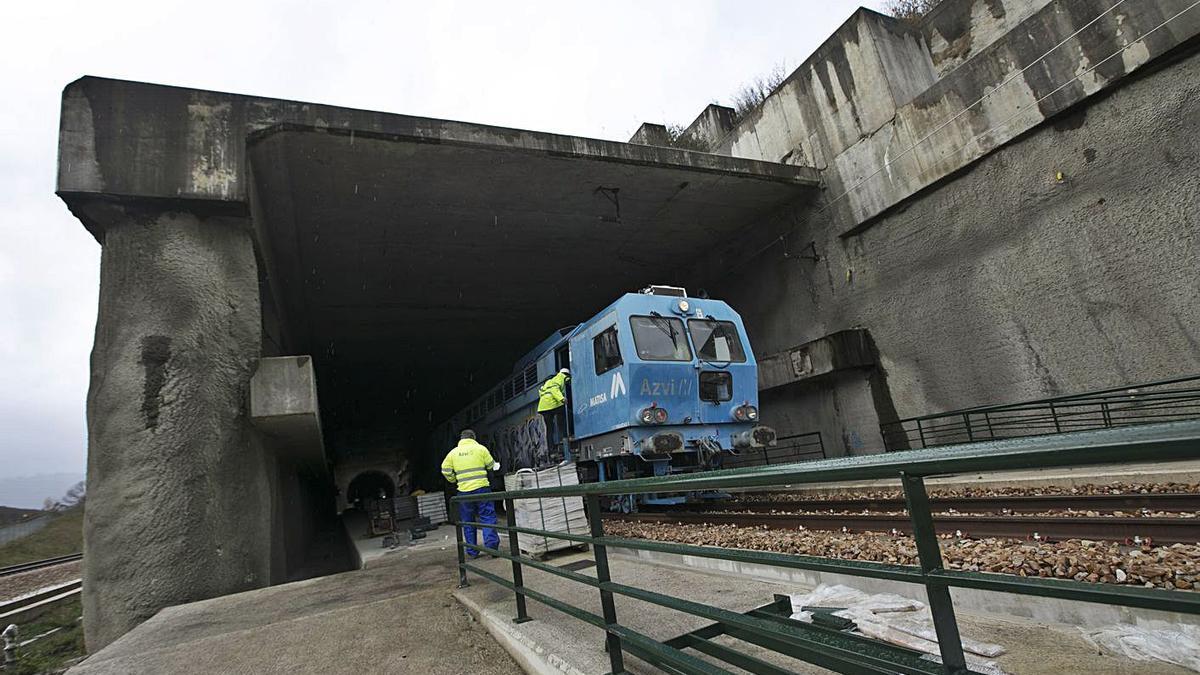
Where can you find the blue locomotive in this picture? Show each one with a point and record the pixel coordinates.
(660, 383)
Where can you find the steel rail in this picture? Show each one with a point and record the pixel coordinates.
(1154, 501)
(39, 564)
(1112, 528)
(51, 595)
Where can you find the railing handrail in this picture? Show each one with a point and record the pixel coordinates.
(1163, 441)
(995, 407)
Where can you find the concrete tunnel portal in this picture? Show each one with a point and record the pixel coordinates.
(252, 246)
(416, 273)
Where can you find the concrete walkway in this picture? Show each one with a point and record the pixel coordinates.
(556, 643)
(395, 616)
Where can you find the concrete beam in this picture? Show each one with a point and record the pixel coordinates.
(283, 404)
(121, 140)
(812, 360)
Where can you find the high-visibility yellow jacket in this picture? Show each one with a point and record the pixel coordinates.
(553, 394)
(467, 465)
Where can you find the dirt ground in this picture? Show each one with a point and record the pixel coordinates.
(396, 616)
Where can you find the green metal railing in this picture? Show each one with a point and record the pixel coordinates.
(817, 644)
(1147, 403)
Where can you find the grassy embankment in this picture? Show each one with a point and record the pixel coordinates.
(51, 653)
(61, 536)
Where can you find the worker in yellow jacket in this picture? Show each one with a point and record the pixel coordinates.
(552, 402)
(467, 466)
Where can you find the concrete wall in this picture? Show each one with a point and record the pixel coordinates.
(999, 281)
(179, 495)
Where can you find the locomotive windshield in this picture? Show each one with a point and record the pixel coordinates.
(716, 340)
(660, 338)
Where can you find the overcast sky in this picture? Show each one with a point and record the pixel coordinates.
(586, 68)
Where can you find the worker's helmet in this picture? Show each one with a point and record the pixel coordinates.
(565, 371)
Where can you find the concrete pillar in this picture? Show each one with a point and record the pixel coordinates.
(179, 489)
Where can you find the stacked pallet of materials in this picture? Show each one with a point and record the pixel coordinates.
(552, 514)
(432, 505)
(405, 507)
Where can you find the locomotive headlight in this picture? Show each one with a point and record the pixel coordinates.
(684, 306)
(745, 413)
(653, 415)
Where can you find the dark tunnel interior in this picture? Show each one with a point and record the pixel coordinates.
(416, 274)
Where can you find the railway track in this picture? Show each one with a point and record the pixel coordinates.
(1172, 501)
(17, 609)
(39, 564)
(1022, 517)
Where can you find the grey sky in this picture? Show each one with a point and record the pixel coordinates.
(591, 69)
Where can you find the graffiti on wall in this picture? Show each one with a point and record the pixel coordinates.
(520, 445)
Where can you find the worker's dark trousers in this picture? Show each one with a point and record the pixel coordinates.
(556, 428)
(478, 512)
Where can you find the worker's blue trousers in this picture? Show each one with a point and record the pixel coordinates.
(478, 512)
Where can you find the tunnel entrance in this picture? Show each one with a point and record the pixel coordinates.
(416, 272)
(369, 485)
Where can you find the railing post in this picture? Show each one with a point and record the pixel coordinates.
(930, 554)
(1054, 416)
(612, 643)
(967, 421)
(462, 551)
(921, 432)
(1105, 413)
(514, 549)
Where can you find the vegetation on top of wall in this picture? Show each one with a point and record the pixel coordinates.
(675, 134)
(752, 94)
(747, 97)
(909, 9)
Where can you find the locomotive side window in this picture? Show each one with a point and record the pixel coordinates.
(717, 340)
(660, 338)
(716, 386)
(607, 350)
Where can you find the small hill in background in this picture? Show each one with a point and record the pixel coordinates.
(61, 536)
(10, 515)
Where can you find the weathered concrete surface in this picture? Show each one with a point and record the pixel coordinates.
(871, 110)
(395, 617)
(284, 406)
(1006, 284)
(179, 495)
(133, 139)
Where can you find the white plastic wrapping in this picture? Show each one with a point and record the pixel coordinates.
(1178, 644)
(891, 618)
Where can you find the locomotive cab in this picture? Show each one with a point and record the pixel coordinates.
(662, 383)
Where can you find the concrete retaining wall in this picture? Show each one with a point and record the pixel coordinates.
(1021, 251)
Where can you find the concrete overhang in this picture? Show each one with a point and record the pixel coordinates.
(439, 248)
(121, 140)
